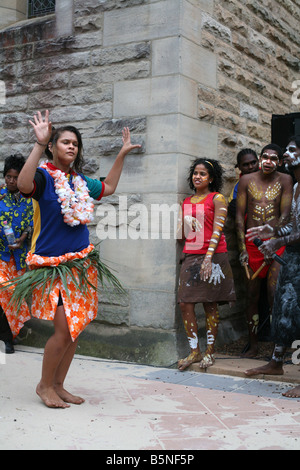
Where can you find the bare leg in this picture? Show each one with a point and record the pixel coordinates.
(212, 323)
(252, 315)
(61, 373)
(275, 366)
(55, 362)
(272, 282)
(190, 325)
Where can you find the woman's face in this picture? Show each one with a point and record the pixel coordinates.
(11, 179)
(201, 178)
(65, 149)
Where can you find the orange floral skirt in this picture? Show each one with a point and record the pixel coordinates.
(80, 307)
(8, 271)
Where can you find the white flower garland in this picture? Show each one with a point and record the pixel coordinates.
(76, 206)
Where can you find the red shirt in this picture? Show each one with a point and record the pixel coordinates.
(204, 211)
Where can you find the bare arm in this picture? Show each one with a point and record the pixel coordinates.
(218, 225)
(284, 237)
(286, 202)
(241, 202)
(112, 179)
(269, 247)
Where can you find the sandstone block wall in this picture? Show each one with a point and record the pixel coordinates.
(12, 11)
(190, 78)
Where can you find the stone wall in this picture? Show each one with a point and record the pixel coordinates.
(12, 11)
(256, 45)
(190, 78)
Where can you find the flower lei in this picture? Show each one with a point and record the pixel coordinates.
(76, 206)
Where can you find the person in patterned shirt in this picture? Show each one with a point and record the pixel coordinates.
(17, 211)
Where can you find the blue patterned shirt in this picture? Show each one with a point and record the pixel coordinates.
(18, 211)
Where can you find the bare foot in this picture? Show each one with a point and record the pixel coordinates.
(293, 392)
(195, 356)
(68, 397)
(49, 396)
(272, 368)
(207, 361)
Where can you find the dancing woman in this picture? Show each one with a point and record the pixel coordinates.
(63, 205)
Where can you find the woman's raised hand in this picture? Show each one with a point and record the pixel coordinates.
(42, 127)
(127, 145)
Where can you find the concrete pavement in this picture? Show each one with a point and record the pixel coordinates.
(135, 407)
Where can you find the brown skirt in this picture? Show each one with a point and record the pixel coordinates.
(193, 290)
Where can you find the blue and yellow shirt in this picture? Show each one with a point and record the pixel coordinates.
(17, 210)
(52, 236)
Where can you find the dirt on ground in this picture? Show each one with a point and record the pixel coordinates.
(236, 348)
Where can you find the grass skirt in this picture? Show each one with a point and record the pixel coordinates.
(8, 271)
(74, 275)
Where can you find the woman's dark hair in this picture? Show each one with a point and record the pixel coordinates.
(13, 162)
(56, 133)
(214, 169)
(273, 147)
(242, 153)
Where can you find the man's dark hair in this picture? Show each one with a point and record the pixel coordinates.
(273, 147)
(242, 153)
(296, 139)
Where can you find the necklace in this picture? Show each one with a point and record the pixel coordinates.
(195, 199)
(76, 205)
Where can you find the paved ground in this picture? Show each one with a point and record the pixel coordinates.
(134, 407)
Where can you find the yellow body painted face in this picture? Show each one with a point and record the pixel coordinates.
(201, 178)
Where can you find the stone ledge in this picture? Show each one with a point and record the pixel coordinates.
(141, 346)
(235, 367)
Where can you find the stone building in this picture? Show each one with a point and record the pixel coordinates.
(190, 78)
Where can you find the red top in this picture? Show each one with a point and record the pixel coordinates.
(204, 211)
